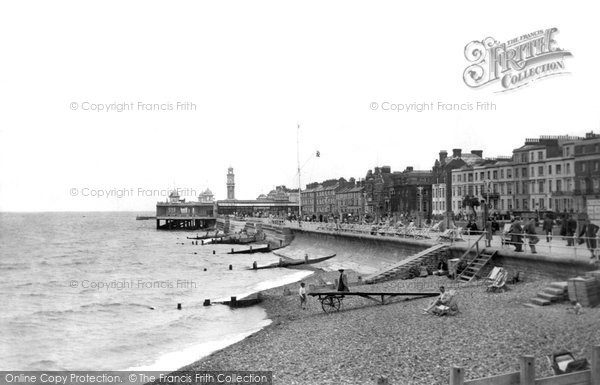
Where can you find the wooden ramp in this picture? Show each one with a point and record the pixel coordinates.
(396, 270)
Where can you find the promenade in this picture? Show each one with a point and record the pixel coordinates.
(555, 250)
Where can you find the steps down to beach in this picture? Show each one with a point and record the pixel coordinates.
(475, 266)
(556, 292)
(401, 269)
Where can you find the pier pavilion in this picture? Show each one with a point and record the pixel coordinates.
(176, 213)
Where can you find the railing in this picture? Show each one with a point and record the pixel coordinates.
(476, 244)
(526, 374)
(574, 243)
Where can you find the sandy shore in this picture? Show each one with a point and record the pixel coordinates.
(366, 340)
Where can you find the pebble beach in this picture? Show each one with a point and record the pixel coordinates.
(365, 340)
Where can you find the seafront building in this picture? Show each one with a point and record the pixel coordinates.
(549, 174)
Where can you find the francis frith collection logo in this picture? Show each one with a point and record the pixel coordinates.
(516, 62)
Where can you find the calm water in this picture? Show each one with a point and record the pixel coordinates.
(78, 289)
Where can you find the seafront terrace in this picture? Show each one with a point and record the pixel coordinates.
(556, 249)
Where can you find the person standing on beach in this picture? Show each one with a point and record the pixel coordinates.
(302, 293)
(343, 281)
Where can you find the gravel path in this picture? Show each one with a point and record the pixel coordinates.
(366, 340)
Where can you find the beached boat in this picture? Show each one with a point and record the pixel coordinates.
(252, 249)
(207, 236)
(287, 262)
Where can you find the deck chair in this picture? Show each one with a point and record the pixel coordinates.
(499, 284)
(493, 274)
(450, 308)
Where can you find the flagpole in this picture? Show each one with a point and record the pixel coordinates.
(299, 184)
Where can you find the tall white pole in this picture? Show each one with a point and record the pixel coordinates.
(299, 183)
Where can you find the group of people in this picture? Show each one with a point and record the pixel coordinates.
(518, 231)
(342, 286)
(571, 230)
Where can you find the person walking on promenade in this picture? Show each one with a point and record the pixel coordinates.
(489, 232)
(516, 237)
(589, 234)
(572, 230)
(547, 228)
(343, 281)
(302, 293)
(531, 235)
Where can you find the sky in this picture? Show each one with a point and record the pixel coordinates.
(254, 71)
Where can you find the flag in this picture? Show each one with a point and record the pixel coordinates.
(318, 154)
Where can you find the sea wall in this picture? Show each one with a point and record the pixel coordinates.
(365, 246)
(536, 266)
(352, 250)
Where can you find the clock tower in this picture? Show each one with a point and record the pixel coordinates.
(230, 184)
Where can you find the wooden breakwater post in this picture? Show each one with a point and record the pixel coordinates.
(254, 265)
(233, 302)
(526, 374)
(206, 302)
(178, 306)
(230, 267)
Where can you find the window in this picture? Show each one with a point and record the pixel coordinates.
(495, 174)
(596, 166)
(509, 188)
(541, 171)
(509, 173)
(558, 169)
(481, 175)
(568, 168)
(524, 172)
(542, 203)
(516, 173)
(540, 155)
(502, 174)
(532, 172)
(517, 202)
(531, 156)
(549, 169)
(541, 186)
(582, 167)
(488, 175)
(559, 185)
(567, 151)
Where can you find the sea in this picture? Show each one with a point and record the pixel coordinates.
(99, 291)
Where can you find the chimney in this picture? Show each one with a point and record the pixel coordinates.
(479, 153)
(456, 152)
(409, 168)
(386, 170)
(443, 156)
